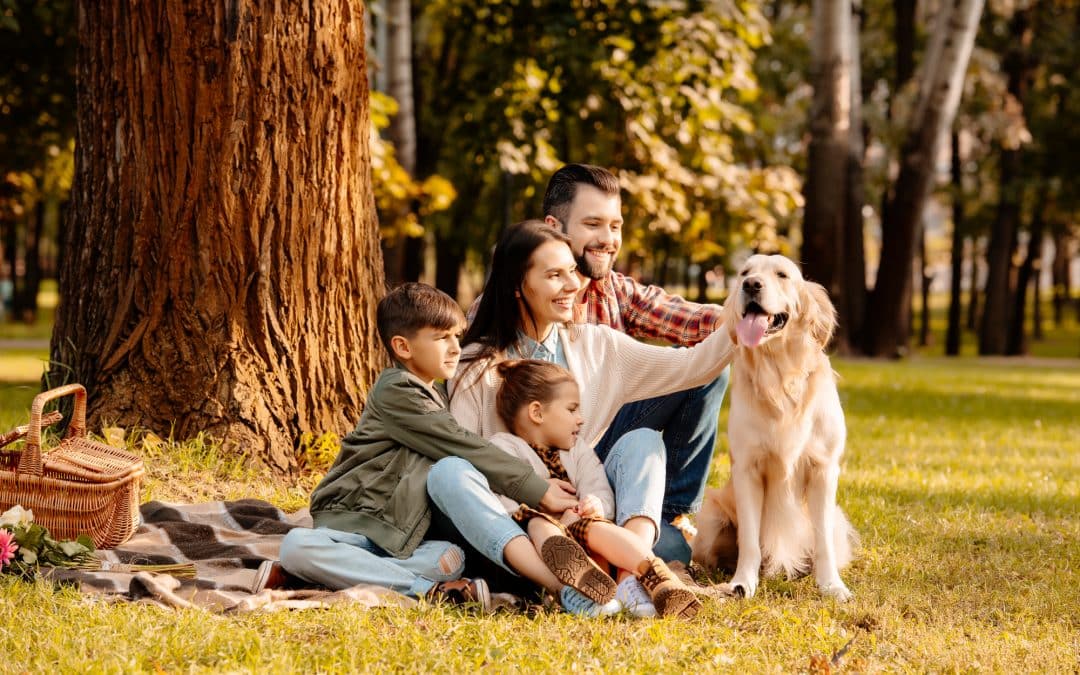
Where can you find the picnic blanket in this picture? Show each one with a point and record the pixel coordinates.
(232, 545)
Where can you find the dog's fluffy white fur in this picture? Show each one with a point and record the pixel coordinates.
(778, 513)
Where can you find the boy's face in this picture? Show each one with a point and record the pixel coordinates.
(432, 354)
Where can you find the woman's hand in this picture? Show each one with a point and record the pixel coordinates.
(560, 496)
(589, 506)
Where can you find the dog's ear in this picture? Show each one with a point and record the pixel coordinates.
(818, 312)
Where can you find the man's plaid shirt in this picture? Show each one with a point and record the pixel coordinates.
(646, 311)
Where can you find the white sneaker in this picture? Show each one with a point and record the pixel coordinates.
(635, 598)
(573, 602)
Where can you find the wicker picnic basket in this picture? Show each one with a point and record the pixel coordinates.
(81, 486)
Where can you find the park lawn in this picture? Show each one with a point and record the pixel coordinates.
(962, 476)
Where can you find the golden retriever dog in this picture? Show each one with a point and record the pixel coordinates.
(786, 430)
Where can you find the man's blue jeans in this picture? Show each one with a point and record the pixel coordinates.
(689, 421)
(338, 560)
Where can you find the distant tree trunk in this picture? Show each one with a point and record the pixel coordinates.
(1060, 273)
(827, 162)
(993, 333)
(945, 64)
(971, 322)
(407, 253)
(703, 282)
(925, 280)
(27, 302)
(1036, 310)
(852, 301)
(952, 333)
(1017, 340)
(222, 264)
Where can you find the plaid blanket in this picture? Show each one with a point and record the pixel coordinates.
(232, 546)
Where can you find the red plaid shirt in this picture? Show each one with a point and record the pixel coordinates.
(641, 311)
(646, 311)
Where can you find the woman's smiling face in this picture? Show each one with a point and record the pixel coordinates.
(548, 289)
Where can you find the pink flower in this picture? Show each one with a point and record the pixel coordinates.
(7, 547)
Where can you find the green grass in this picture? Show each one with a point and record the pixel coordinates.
(962, 476)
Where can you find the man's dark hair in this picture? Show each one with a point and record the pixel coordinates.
(563, 185)
(411, 307)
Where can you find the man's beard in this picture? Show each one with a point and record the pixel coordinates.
(593, 270)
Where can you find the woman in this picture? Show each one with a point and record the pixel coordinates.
(525, 312)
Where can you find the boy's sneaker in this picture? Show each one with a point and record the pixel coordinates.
(572, 565)
(573, 602)
(633, 596)
(668, 592)
(462, 592)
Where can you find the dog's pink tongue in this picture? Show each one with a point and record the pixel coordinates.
(751, 328)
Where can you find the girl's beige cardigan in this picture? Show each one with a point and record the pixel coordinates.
(611, 369)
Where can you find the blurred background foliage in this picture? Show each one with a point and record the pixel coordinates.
(701, 107)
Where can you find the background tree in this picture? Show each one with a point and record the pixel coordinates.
(221, 271)
(939, 94)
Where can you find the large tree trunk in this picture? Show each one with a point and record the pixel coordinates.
(993, 333)
(952, 332)
(827, 162)
(222, 265)
(945, 63)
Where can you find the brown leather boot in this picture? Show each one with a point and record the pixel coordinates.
(669, 594)
(572, 565)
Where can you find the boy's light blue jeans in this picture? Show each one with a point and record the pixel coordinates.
(634, 467)
(338, 560)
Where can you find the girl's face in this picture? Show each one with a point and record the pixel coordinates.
(562, 418)
(548, 289)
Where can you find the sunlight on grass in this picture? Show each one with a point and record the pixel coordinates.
(962, 477)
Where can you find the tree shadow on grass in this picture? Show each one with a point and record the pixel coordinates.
(933, 405)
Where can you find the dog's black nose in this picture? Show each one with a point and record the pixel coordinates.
(751, 285)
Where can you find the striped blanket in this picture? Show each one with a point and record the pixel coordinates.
(232, 546)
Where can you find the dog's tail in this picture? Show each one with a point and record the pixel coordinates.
(716, 545)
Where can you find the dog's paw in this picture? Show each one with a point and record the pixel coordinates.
(836, 590)
(740, 589)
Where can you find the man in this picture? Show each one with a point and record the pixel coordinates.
(584, 201)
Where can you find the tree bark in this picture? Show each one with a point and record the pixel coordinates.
(827, 162)
(941, 85)
(222, 264)
(993, 333)
(952, 332)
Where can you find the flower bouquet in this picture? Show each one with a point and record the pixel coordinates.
(26, 546)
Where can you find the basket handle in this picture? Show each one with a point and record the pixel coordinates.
(30, 462)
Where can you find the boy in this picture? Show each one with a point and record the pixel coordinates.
(371, 511)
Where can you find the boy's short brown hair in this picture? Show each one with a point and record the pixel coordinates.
(413, 306)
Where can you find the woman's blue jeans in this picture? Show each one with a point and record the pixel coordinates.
(634, 467)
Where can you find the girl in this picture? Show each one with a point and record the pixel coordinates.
(539, 402)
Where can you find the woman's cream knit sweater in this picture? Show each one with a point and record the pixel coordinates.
(611, 369)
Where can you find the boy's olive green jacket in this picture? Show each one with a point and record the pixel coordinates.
(378, 484)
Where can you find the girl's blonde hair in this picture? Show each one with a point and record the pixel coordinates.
(525, 381)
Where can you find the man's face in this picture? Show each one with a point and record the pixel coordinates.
(594, 225)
